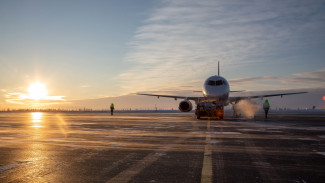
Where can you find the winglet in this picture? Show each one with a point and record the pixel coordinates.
(218, 69)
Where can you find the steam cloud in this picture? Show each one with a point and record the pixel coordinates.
(246, 108)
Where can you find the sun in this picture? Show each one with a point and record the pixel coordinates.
(37, 91)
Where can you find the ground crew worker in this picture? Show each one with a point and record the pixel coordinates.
(112, 109)
(266, 107)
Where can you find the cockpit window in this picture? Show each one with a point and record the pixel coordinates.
(211, 83)
(219, 82)
(215, 83)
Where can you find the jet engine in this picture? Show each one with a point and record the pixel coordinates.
(185, 106)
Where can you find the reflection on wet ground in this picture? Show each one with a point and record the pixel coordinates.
(37, 119)
(153, 147)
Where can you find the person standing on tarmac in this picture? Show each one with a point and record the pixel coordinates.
(112, 109)
(266, 107)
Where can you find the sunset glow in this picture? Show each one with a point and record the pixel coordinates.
(37, 91)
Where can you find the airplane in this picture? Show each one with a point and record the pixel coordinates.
(215, 96)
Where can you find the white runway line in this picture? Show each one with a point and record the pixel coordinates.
(129, 173)
(126, 175)
(206, 175)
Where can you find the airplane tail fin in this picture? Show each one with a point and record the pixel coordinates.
(218, 69)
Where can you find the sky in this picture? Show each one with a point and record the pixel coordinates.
(92, 50)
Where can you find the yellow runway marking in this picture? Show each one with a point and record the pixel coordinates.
(206, 175)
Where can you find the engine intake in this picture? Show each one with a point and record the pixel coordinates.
(185, 106)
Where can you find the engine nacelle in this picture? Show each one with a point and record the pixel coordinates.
(185, 106)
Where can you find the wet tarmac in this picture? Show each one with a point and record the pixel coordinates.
(166, 147)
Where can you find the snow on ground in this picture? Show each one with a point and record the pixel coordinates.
(310, 139)
(8, 167)
(321, 153)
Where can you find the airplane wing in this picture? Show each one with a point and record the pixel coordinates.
(237, 91)
(230, 99)
(196, 99)
(236, 99)
(174, 96)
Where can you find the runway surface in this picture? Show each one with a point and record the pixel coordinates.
(160, 147)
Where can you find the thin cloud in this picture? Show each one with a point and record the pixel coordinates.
(317, 74)
(305, 79)
(251, 79)
(180, 39)
(85, 86)
(25, 99)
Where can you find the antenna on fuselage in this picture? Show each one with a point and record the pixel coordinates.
(218, 69)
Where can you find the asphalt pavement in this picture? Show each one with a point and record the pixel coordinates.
(160, 147)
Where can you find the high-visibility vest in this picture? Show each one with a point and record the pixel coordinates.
(112, 106)
(266, 105)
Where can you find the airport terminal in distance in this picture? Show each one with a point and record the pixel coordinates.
(161, 147)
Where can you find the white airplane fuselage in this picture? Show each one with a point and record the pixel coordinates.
(215, 96)
(216, 87)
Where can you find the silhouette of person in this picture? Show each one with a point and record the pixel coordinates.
(112, 109)
(266, 107)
